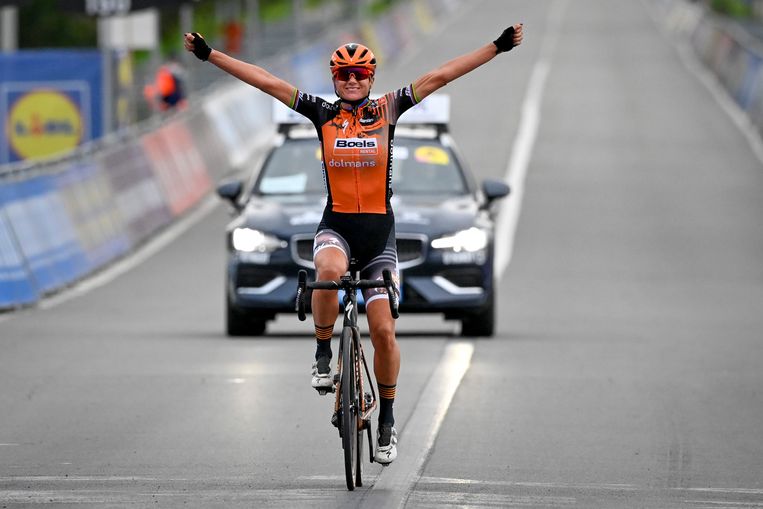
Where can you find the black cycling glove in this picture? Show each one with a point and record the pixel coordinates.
(506, 41)
(200, 47)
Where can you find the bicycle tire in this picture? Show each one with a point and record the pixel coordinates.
(359, 459)
(349, 409)
(358, 416)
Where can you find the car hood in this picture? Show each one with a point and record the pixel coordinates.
(285, 216)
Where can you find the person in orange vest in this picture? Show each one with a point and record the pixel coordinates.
(167, 91)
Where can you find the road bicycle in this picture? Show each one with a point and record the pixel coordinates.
(355, 398)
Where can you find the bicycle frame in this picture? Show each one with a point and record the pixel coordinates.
(350, 321)
(348, 403)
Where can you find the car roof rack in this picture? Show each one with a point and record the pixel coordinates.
(432, 112)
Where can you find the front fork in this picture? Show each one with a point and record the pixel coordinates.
(367, 400)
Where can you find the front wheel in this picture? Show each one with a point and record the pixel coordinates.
(349, 408)
(481, 323)
(359, 457)
(239, 324)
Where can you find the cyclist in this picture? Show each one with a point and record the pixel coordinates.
(356, 135)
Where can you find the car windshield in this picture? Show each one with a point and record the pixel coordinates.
(419, 167)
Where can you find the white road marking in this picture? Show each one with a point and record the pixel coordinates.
(417, 438)
(465, 499)
(524, 143)
(500, 484)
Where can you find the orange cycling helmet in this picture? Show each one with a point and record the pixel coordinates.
(353, 55)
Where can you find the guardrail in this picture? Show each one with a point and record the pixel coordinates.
(733, 55)
(64, 219)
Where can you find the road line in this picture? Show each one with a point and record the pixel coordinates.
(467, 499)
(524, 143)
(508, 484)
(395, 482)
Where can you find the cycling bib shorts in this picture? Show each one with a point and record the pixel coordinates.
(357, 236)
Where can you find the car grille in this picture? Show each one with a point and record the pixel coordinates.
(253, 277)
(304, 250)
(464, 277)
(411, 250)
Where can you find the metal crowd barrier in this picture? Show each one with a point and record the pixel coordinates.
(62, 220)
(733, 55)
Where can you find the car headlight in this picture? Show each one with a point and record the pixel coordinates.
(471, 240)
(248, 240)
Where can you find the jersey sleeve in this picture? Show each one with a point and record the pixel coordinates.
(315, 109)
(400, 101)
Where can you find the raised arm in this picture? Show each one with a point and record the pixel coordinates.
(248, 73)
(464, 64)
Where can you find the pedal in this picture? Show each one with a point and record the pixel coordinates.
(324, 390)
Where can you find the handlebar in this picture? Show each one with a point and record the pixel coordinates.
(347, 284)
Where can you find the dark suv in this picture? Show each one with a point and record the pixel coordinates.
(444, 226)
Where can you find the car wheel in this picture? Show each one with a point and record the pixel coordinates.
(240, 324)
(482, 323)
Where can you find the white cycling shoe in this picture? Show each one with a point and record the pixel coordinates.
(386, 445)
(322, 381)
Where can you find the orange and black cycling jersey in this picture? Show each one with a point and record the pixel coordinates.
(357, 148)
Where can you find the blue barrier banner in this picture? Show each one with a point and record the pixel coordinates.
(90, 204)
(746, 93)
(16, 285)
(50, 102)
(45, 234)
(139, 198)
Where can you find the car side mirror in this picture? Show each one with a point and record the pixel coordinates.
(494, 190)
(231, 191)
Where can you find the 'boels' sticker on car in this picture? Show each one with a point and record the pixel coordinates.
(431, 155)
(349, 146)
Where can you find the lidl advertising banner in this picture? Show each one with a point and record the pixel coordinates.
(50, 102)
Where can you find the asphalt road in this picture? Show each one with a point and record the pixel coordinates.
(626, 367)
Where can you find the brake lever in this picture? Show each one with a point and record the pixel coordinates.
(391, 294)
(301, 288)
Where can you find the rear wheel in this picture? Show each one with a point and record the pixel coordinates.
(482, 323)
(349, 408)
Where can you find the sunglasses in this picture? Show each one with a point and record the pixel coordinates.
(360, 73)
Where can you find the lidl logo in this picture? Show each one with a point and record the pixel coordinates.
(42, 123)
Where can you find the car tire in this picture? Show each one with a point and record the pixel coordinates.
(239, 324)
(481, 323)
